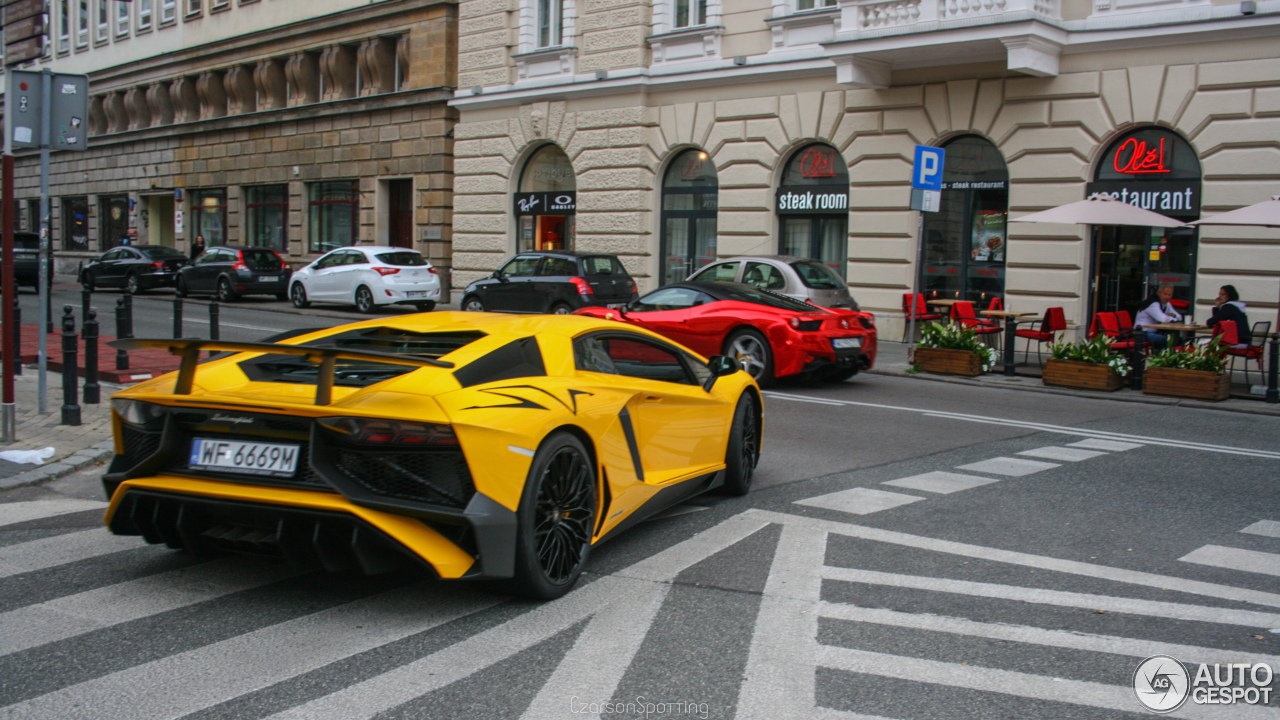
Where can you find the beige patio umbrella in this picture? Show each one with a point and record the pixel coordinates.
(1263, 214)
(1100, 209)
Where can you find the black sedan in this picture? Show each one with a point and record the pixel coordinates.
(26, 260)
(229, 271)
(136, 268)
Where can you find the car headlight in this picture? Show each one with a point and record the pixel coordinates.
(136, 412)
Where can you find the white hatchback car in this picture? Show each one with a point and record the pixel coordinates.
(368, 276)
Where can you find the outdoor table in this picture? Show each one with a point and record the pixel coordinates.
(1011, 320)
(1181, 329)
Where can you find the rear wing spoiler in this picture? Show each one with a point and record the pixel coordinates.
(189, 351)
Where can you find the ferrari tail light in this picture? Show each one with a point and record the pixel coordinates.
(239, 263)
(805, 325)
(583, 287)
(385, 271)
(378, 431)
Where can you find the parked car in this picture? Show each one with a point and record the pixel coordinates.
(552, 282)
(136, 268)
(229, 271)
(472, 445)
(368, 276)
(26, 260)
(796, 277)
(771, 335)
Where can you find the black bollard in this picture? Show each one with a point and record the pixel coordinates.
(1135, 359)
(122, 329)
(92, 390)
(128, 315)
(17, 336)
(1273, 370)
(86, 297)
(70, 369)
(177, 317)
(213, 324)
(1010, 339)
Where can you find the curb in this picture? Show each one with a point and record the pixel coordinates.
(92, 455)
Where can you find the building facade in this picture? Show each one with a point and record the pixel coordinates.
(295, 126)
(673, 132)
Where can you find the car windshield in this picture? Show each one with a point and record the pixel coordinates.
(359, 373)
(760, 296)
(817, 276)
(159, 252)
(26, 241)
(603, 265)
(402, 258)
(260, 259)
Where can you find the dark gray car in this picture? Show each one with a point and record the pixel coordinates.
(552, 282)
(229, 271)
(801, 278)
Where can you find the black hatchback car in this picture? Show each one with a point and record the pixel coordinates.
(136, 268)
(26, 260)
(552, 282)
(229, 271)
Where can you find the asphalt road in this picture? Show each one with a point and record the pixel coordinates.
(912, 550)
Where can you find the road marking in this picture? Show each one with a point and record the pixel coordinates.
(63, 549)
(859, 500)
(1235, 559)
(72, 615)
(224, 324)
(13, 513)
(940, 482)
(1012, 467)
(1265, 528)
(1108, 445)
(1063, 454)
(1125, 438)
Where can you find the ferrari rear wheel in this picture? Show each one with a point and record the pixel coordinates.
(743, 453)
(556, 519)
(751, 350)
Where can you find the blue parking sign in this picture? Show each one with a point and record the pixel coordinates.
(926, 174)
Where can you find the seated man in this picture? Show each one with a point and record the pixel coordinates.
(1229, 307)
(1154, 311)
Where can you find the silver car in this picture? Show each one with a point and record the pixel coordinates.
(801, 278)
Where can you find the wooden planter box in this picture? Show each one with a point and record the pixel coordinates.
(948, 362)
(1081, 375)
(1194, 384)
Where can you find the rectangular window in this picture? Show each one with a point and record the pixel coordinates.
(690, 13)
(64, 25)
(268, 211)
(814, 4)
(209, 216)
(334, 208)
(193, 7)
(144, 14)
(218, 4)
(168, 10)
(122, 18)
(550, 22)
(104, 21)
(75, 223)
(82, 23)
(113, 220)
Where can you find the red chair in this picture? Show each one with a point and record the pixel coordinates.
(1054, 322)
(1110, 324)
(922, 312)
(1253, 351)
(962, 313)
(1124, 321)
(996, 303)
(1095, 327)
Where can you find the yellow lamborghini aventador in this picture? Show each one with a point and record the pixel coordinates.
(479, 445)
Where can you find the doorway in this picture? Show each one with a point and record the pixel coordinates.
(1131, 262)
(400, 213)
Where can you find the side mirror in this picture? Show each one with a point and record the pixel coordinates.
(499, 276)
(720, 365)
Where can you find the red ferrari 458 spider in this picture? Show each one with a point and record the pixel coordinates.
(770, 334)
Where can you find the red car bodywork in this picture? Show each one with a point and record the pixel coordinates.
(801, 341)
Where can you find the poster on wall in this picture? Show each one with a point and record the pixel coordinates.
(988, 236)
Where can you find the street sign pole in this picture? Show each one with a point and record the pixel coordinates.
(8, 410)
(46, 96)
(926, 196)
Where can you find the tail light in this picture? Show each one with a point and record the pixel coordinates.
(385, 271)
(635, 290)
(807, 325)
(283, 265)
(432, 270)
(239, 263)
(157, 265)
(377, 431)
(583, 287)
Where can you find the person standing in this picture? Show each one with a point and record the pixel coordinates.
(197, 247)
(1229, 307)
(1156, 310)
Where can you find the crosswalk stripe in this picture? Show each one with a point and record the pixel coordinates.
(18, 512)
(1060, 598)
(859, 501)
(72, 615)
(180, 684)
(1265, 528)
(940, 482)
(1039, 636)
(1013, 467)
(1235, 559)
(63, 549)
(1065, 454)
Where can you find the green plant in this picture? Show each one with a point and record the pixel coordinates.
(1097, 351)
(1209, 358)
(957, 337)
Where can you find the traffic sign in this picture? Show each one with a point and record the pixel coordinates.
(927, 172)
(67, 115)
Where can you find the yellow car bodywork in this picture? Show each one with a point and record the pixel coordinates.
(680, 432)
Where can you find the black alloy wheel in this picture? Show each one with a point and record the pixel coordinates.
(743, 453)
(132, 284)
(472, 304)
(364, 300)
(556, 518)
(561, 309)
(226, 293)
(298, 295)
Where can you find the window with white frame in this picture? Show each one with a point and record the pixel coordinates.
(814, 4)
(64, 25)
(689, 13)
(82, 23)
(168, 10)
(104, 21)
(550, 23)
(218, 4)
(144, 14)
(193, 7)
(122, 18)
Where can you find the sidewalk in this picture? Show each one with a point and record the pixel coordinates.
(75, 447)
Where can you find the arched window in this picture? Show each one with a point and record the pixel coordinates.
(690, 196)
(964, 242)
(1154, 169)
(813, 207)
(546, 202)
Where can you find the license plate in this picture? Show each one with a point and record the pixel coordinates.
(616, 306)
(845, 343)
(416, 293)
(267, 278)
(251, 458)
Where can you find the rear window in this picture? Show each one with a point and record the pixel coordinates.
(26, 241)
(402, 258)
(603, 265)
(159, 252)
(817, 276)
(257, 259)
